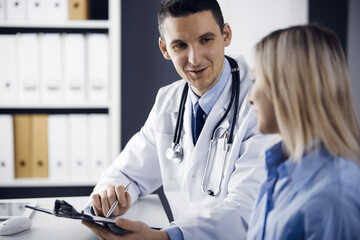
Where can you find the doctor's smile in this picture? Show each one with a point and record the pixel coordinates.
(197, 73)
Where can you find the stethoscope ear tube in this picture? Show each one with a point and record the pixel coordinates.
(236, 81)
(179, 121)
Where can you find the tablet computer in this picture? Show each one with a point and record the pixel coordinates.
(14, 208)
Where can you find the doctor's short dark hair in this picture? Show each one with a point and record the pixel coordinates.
(183, 8)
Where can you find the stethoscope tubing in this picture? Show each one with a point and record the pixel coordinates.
(176, 148)
(180, 119)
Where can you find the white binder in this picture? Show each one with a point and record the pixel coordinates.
(78, 140)
(28, 68)
(51, 66)
(2, 10)
(99, 144)
(16, 10)
(98, 67)
(58, 143)
(74, 68)
(57, 10)
(8, 80)
(7, 160)
(36, 10)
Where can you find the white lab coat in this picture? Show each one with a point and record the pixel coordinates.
(144, 163)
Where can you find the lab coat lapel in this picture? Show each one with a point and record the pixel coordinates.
(202, 146)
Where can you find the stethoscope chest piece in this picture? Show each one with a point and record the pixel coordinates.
(175, 153)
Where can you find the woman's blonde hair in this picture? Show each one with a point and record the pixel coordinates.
(305, 69)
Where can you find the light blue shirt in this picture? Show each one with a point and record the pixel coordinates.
(316, 198)
(206, 102)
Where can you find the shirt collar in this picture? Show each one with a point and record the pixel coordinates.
(208, 100)
(275, 155)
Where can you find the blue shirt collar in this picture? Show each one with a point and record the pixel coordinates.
(208, 100)
(275, 155)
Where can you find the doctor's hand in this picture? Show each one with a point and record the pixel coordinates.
(103, 201)
(134, 230)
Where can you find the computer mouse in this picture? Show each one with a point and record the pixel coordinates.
(15, 225)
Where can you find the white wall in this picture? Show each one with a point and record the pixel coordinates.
(250, 20)
(353, 51)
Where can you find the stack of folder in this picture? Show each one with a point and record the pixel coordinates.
(36, 11)
(63, 148)
(30, 135)
(54, 68)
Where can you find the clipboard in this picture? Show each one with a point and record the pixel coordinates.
(65, 210)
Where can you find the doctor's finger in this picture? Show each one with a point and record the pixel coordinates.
(120, 193)
(96, 201)
(104, 202)
(121, 210)
(132, 226)
(111, 194)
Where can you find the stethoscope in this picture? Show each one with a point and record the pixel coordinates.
(175, 152)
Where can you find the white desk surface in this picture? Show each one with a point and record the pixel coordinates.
(44, 226)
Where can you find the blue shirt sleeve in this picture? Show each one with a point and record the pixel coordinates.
(174, 232)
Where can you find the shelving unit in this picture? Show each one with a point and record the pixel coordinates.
(79, 24)
(112, 107)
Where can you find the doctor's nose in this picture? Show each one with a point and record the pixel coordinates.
(194, 56)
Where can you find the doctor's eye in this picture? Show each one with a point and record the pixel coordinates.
(205, 40)
(178, 46)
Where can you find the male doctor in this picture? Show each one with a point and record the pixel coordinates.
(193, 37)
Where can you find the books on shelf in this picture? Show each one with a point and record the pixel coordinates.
(28, 68)
(37, 11)
(98, 66)
(8, 70)
(54, 68)
(58, 138)
(31, 160)
(2, 10)
(60, 147)
(51, 65)
(6, 148)
(78, 10)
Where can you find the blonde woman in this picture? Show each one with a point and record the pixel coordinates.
(302, 92)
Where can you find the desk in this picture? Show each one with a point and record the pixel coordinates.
(44, 226)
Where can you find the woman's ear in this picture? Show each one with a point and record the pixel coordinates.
(163, 49)
(227, 34)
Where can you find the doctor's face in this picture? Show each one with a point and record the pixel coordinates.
(260, 97)
(195, 45)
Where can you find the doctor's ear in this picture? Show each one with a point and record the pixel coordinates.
(227, 34)
(163, 49)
